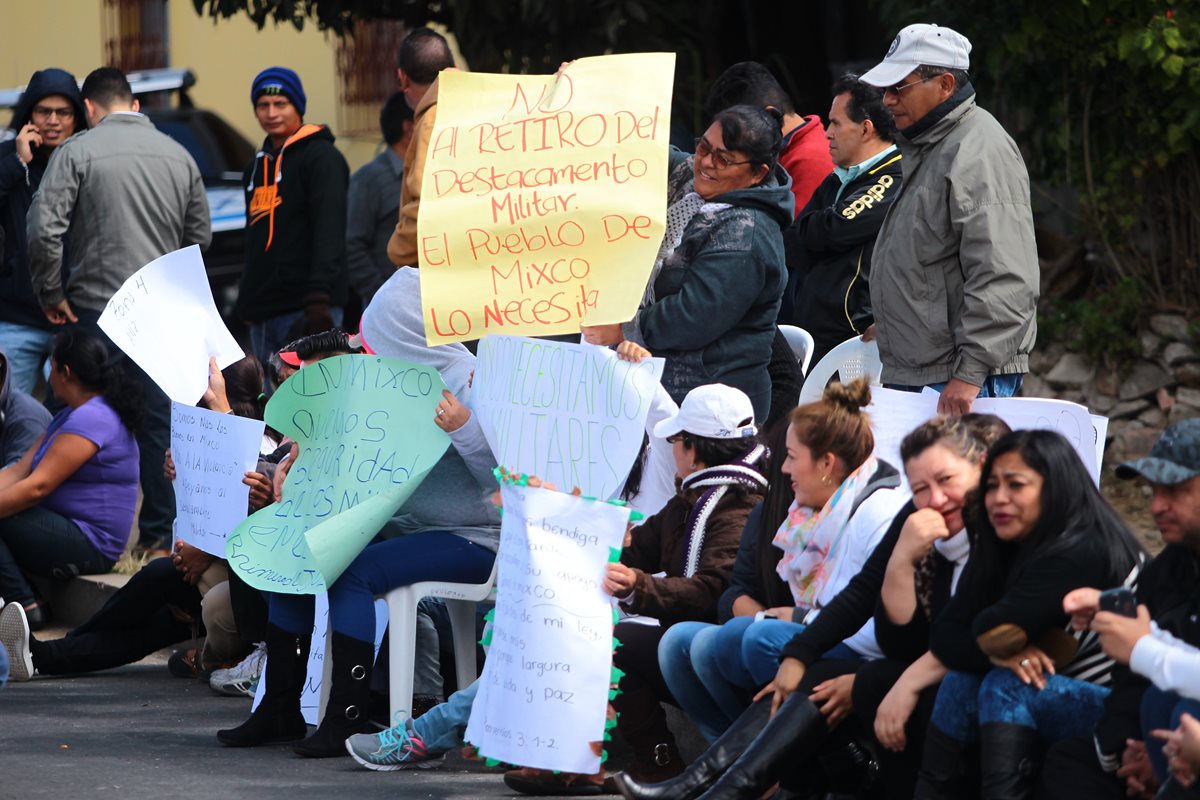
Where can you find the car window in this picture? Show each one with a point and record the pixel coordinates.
(186, 136)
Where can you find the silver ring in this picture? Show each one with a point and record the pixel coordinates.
(1025, 662)
(441, 412)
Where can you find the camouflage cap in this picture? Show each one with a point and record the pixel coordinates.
(1174, 458)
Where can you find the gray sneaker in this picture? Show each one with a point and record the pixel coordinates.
(394, 749)
(240, 680)
(14, 635)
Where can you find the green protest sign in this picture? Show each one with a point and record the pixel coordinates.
(365, 429)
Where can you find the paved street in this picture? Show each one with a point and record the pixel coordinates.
(138, 732)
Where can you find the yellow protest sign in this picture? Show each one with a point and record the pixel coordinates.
(543, 201)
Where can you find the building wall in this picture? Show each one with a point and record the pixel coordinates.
(224, 55)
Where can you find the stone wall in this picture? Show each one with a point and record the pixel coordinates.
(1160, 389)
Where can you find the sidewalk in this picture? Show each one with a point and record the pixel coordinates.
(138, 732)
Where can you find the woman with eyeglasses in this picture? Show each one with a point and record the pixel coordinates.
(67, 506)
(710, 305)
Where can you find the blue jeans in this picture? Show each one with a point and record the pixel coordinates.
(379, 568)
(1062, 709)
(27, 349)
(711, 669)
(442, 727)
(995, 386)
(1162, 710)
(268, 336)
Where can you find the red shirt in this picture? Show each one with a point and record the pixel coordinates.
(806, 158)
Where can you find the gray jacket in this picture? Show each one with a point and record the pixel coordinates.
(372, 204)
(23, 420)
(955, 278)
(128, 194)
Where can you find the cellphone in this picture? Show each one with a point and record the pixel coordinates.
(1119, 601)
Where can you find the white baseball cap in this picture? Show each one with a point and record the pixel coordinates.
(715, 411)
(918, 45)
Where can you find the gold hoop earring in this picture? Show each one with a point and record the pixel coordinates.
(825, 480)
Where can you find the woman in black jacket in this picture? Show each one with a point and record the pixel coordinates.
(1019, 678)
(907, 580)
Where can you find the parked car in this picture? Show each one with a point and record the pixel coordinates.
(220, 152)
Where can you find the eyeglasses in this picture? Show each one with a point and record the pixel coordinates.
(42, 112)
(900, 87)
(719, 157)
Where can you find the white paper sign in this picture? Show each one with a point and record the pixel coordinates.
(895, 413)
(572, 414)
(164, 318)
(212, 453)
(543, 695)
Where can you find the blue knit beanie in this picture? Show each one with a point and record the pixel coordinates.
(279, 80)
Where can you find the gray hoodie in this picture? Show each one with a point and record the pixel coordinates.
(456, 494)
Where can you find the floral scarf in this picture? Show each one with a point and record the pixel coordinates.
(811, 540)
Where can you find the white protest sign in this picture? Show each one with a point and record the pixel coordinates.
(543, 695)
(572, 414)
(895, 413)
(164, 318)
(212, 453)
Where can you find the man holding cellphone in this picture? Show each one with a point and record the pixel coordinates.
(1154, 639)
(49, 112)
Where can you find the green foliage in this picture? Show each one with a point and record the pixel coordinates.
(1102, 327)
(1103, 96)
(525, 36)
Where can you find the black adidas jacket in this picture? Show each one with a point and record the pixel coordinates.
(828, 251)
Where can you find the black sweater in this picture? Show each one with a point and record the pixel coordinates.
(295, 228)
(1032, 601)
(1169, 587)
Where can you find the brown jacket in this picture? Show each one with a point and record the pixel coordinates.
(660, 545)
(402, 247)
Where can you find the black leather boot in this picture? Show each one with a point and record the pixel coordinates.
(349, 696)
(705, 770)
(943, 767)
(1008, 758)
(278, 717)
(796, 729)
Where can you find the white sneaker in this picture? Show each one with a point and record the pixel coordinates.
(240, 680)
(14, 635)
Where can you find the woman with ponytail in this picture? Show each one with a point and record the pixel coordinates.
(67, 506)
(842, 501)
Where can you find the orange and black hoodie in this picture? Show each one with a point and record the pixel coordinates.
(295, 226)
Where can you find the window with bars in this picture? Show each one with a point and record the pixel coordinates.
(366, 65)
(135, 34)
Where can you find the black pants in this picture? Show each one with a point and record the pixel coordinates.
(135, 622)
(153, 439)
(642, 720)
(1072, 770)
(40, 542)
(872, 683)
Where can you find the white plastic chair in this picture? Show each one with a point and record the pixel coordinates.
(801, 342)
(849, 360)
(460, 599)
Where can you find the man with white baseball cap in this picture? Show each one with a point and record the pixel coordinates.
(954, 276)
